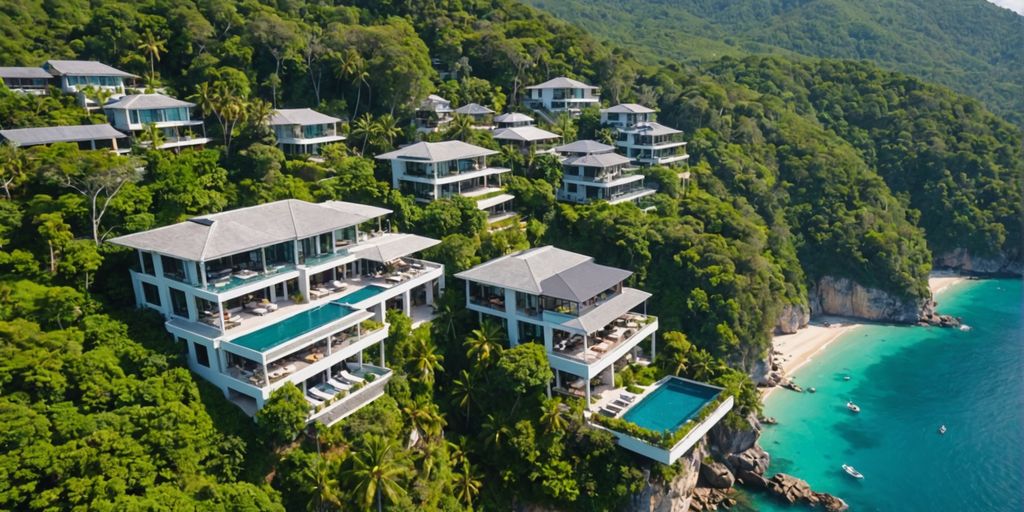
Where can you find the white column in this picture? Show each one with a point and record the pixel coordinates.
(652, 346)
(220, 315)
(429, 288)
(382, 362)
(407, 303)
(588, 391)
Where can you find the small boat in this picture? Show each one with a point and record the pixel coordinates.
(942, 430)
(965, 327)
(852, 472)
(811, 390)
(846, 377)
(852, 406)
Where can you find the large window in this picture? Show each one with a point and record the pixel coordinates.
(179, 303)
(174, 268)
(202, 355)
(147, 264)
(484, 295)
(565, 307)
(151, 293)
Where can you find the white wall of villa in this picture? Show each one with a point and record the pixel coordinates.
(562, 95)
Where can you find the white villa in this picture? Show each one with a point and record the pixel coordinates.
(643, 140)
(592, 171)
(562, 95)
(433, 113)
(512, 120)
(580, 310)
(91, 136)
(288, 291)
(438, 170)
(27, 80)
(302, 131)
(75, 75)
(481, 115)
(131, 114)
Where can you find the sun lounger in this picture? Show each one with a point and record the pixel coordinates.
(613, 408)
(343, 386)
(620, 403)
(320, 394)
(627, 398)
(338, 286)
(313, 401)
(349, 377)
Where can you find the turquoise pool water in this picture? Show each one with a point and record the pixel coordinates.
(361, 294)
(272, 335)
(668, 407)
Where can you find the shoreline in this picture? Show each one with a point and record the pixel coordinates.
(793, 351)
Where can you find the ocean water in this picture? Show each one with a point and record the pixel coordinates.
(908, 381)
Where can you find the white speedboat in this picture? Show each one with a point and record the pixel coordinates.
(965, 327)
(852, 472)
(852, 406)
(942, 430)
(846, 377)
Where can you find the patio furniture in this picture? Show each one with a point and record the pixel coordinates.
(313, 357)
(393, 279)
(338, 286)
(318, 293)
(632, 325)
(417, 266)
(245, 274)
(224, 273)
(259, 311)
(628, 398)
(314, 402)
(319, 393)
(343, 386)
(349, 377)
(269, 306)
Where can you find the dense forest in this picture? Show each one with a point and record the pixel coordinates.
(799, 170)
(972, 46)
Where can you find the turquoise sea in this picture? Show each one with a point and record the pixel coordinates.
(908, 381)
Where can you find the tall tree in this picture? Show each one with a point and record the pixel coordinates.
(377, 470)
(99, 176)
(152, 46)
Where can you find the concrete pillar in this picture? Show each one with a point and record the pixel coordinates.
(653, 343)
(407, 303)
(429, 288)
(588, 392)
(382, 361)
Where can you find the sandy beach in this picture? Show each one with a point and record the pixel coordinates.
(796, 350)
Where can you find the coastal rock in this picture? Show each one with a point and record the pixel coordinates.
(765, 373)
(674, 496)
(705, 498)
(792, 318)
(831, 503)
(794, 490)
(753, 460)
(724, 440)
(844, 297)
(715, 475)
(752, 480)
(964, 261)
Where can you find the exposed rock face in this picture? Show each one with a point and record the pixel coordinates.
(715, 475)
(963, 261)
(794, 490)
(843, 297)
(675, 496)
(792, 318)
(724, 440)
(749, 465)
(766, 373)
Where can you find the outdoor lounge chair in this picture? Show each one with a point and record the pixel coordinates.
(626, 397)
(313, 401)
(343, 386)
(620, 403)
(613, 408)
(338, 286)
(351, 378)
(323, 395)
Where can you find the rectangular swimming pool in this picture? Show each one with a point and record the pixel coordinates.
(671, 405)
(310, 320)
(361, 294)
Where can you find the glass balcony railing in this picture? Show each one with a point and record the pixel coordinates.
(243, 277)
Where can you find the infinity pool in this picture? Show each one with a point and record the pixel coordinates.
(361, 294)
(274, 334)
(671, 405)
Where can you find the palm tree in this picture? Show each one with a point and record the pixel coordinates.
(150, 133)
(363, 127)
(484, 344)
(496, 430)
(467, 484)
(701, 365)
(377, 471)
(426, 418)
(462, 391)
(606, 136)
(385, 132)
(566, 127)
(153, 46)
(353, 67)
(425, 360)
(321, 485)
(510, 156)
(551, 416)
(461, 128)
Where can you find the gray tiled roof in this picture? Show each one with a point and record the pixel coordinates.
(221, 234)
(562, 83)
(606, 312)
(548, 271)
(653, 129)
(392, 246)
(144, 101)
(473, 109)
(437, 151)
(585, 146)
(84, 68)
(599, 160)
(52, 134)
(628, 108)
(524, 134)
(24, 72)
(513, 117)
(300, 116)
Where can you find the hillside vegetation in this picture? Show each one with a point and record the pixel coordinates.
(971, 46)
(799, 170)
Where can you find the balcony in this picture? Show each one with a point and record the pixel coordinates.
(229, 279)
(589, 349)
(346, 402)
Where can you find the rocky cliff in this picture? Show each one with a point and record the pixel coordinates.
(964, 261)
(792, 318)
(843, 297)
(674, 496)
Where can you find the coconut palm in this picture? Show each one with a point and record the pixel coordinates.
(551, 416)
(321, 485)
(496, 431)
(466, 484)
(606, 136)
(702, 365)
(426, 418)
(485, 344)
(353, 67)
(510, 156)
(462, 391)
(378, 470)
(566, 127)
(152, 46)
(385, 132)
(460, 128)
(363, 128)
(151, 134)
(425, 360)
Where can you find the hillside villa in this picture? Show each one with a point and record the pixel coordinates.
(562, 94)
(592, 171)
(642, 139)
(303, 131)
(286, 292)
(88, 137)
(172, 117)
